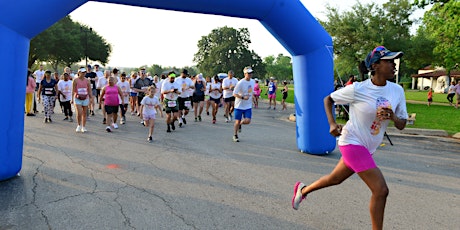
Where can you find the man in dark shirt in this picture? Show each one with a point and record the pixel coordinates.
(141, 85)
(92, 77)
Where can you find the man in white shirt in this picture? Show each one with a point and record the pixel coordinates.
(228, 84)
(38, 74)
(170, 91)
(184, 98)
(243, 101)
(99, 75)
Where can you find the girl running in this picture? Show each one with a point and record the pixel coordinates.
(215, 93)
(149, 104)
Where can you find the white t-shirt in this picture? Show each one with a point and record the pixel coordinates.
(364, 98)
(185, 84)
(39, 75)
(99, 75)
(244, 88)
(102, 82)
(158, 89)
(227, 82)
(208, 87)
(124, 86)
(167, 86)
(214, 93)
(149, 104)
(66, 88)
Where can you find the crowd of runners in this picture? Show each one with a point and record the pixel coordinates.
(172, 95)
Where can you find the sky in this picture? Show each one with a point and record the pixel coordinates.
(134, 32)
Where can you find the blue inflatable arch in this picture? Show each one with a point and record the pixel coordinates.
(287, 20)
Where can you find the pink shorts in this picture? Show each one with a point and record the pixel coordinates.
(148, 117)
(357, 158)
(271, 96)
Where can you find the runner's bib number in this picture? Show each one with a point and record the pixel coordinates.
(49, 91)
(171, 104)
(188, 104)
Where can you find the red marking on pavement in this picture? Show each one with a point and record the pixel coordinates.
(113, 166)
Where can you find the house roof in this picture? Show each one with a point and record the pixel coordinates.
(438, 73)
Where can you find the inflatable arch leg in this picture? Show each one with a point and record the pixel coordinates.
(13, 56)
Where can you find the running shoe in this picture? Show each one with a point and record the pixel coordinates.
(239, 129)
(185, 121)
(31, 115)
(199, 118)
(115, 126)
(173, 127)
(150, 139)
(92, 112)
(49, 120)
(235, 138)
(226, 119)
(108, 129)
(83, 129)
(104, 121)
(196, 119)
(66, 119)
(297, 197)
(78, 129)
(180, 124)
(214, 121)
(168, 130)
(45, 120)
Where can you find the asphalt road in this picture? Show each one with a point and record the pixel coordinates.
(197, 178)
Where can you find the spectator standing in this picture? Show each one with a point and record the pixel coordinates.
(30, 89)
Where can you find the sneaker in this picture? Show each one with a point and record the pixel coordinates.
(115, 126)
(214, 121)
(173, 127)
(30, 115)
(226, 119)
(70, 119)
(49, 120)
(142, 123)
(297, 197)
(199, 118)
(168, 130)
(150, 139)
(78, 129)
(45, 120)
(83, 129)
(180, 124)
(92, 112)
(104, 121)
(66, 119)
(196, 119)
(185, 121)
(108, 129)
(132, 113)
(235, 138)
(274, 108)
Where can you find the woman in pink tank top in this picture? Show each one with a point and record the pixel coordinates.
(82, 92)
(111, 94)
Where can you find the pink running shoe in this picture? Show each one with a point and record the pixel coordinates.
(297, 198)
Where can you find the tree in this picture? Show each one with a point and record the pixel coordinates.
(442, 26)
(279, 67)
(226, 49)
(64, 44)
(359, 30)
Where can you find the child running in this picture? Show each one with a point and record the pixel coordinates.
(149, 105)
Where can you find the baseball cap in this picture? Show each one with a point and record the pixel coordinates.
(248, 69)
(89, 66)
(172, 75)
(256, 79)
(380, 52)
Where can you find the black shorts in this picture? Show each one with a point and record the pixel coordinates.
(197, 98)
(215, 100)
(230, 99)
(182, 101)
(109, 109)
(169, 109)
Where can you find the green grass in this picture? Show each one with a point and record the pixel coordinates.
(433, 117)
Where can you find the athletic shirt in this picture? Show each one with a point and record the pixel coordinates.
(82, 86)
(256, 89)
(111, 96)
(365, 98)
(198, 87)
(244, 88)
(213, 93)
(149, 104)
(48, 87)
(124, 86)
(167, 86)
(271, 88)
(133, 81)
(229, 82)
